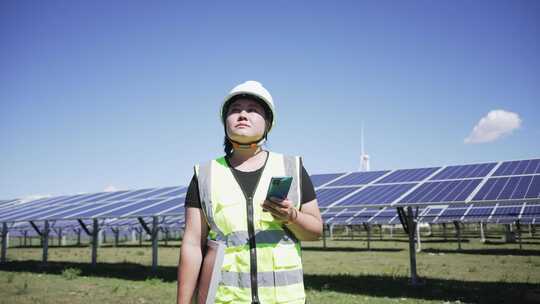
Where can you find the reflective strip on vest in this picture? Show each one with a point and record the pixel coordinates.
(241, 238)
(264, 279)
(292, 168)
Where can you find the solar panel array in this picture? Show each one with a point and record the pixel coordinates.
(114, 209)
(525, 213)
(495, 182)
(490, 192)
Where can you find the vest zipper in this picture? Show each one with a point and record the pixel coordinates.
(252, 252)
(251, 233)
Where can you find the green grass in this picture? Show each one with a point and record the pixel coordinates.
(345, 272)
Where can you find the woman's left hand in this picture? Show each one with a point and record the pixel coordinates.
(282, 210)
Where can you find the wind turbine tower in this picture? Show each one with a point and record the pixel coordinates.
(364, 158)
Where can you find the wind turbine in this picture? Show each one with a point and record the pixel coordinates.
(364, 158)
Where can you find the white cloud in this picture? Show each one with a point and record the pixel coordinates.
(110, 188)
(495, 124)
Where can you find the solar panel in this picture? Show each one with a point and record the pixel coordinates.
(464, 171)
(160, 192)
(507, 211)
(102, 208)
(321, 179)
(178, 192)
(408, 175)
(28, 213)
(60, 213)
(451, 214)
(345, 216)
(363, 216)
(54, 211)
(431, 213)
(384, 217)
(358, 178)
(376, 195)
(325, 197)
(107, 196)
(515, 187)
(132, 194)
(175, 211)
(531, 166)
(478, 213)
(128, 208)
(442, 191)
(528, 220)
(163, 206)
(531, 211)
(328, 215)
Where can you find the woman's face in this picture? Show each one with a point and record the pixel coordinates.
(245, 121)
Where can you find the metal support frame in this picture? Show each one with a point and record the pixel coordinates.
(166, 230)
(78, 231)
(35, 228)
(3, 255)
(45, 242)
(418, 241)
(324, 235)
(430, 231)
(83, 226)
(482, 233)
(154, 234)
(116, 233)
(518, 231)
(368, 230)
(95, 232)
(408, 219)
(59, 233)
(444, 232)
(155, 231)
(458, 233)
(144, 225)
(25, 237)
(509, 236)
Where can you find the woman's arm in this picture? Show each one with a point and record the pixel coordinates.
(306, 224)
(191, 254)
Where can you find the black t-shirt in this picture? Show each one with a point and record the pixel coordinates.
(248, 182)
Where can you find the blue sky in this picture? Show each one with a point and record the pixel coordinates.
(125, 94)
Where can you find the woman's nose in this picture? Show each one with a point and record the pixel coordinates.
(243, 114)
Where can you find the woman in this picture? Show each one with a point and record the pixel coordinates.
(226, 201)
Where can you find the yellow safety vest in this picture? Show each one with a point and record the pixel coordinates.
(262, 262)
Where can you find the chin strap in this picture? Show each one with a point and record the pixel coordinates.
(248, 146)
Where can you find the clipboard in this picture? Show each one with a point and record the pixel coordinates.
(210, 273)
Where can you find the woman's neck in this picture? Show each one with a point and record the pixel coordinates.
(241, 157)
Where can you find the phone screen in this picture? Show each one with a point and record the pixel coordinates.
(279, 187)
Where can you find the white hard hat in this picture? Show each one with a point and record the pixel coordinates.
(251, 88)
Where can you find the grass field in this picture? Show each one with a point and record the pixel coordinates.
(344, 272)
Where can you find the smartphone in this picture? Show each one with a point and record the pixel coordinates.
(279, 187)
